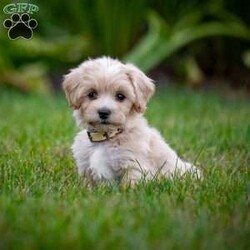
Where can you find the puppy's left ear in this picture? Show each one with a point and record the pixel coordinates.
(143, 86)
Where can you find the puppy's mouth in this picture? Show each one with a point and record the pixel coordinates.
(104, 122)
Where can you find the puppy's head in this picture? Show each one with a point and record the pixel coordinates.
(106, 92)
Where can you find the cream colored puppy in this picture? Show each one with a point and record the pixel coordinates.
(116, 143)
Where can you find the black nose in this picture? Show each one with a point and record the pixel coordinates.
(104, 113)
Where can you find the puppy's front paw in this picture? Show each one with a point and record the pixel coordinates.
(88, 177)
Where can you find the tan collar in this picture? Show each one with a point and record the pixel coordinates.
(95, 136)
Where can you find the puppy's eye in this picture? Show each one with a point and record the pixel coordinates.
(120, 97)
(92, 95)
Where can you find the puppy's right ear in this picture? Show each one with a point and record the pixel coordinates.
(143, 86)
(71, 88)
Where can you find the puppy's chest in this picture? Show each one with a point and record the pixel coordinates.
(106, 154)
(108, 161)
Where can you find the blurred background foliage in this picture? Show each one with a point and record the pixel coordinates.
(196, 42)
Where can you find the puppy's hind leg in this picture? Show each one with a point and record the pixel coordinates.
(182, 168)
(134, 174)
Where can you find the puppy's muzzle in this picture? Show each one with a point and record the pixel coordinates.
(104, 113)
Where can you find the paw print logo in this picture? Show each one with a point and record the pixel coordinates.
(20, 26)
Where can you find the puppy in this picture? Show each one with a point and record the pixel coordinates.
(117, 144)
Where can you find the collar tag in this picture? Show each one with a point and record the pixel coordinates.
(103, 136)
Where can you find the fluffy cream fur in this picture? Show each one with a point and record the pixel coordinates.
(139, 151)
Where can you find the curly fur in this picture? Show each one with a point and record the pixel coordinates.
(139, 151)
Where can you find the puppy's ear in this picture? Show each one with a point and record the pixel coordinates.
(143, 86)
(71, 88)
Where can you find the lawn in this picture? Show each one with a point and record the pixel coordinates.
(44, 205)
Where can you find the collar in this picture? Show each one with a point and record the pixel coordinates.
(96, 136)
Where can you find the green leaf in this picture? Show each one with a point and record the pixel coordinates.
(160, 43)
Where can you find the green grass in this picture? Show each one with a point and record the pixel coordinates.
(43, 204)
